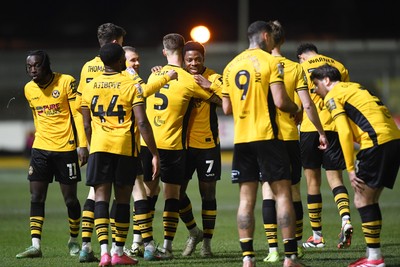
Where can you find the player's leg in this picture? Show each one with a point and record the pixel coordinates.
(40, 174)
(209, 172)
(378, 167)
(138, 196)
(185, 205)
(86, 254)
(333, 163)
(311, 158)
(122, 194)
(208, 214)
(246, 220)
(102, 219)
(186, 215)
(270, 223)
(38, 191)
(294, 152)
(68, 179)
(69, 192)
(298, 209)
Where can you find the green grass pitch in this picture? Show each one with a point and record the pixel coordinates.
(15, 236)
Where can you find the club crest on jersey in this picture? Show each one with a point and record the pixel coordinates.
(330, 104)
(55, 93)
(280, 70)
(139, 88)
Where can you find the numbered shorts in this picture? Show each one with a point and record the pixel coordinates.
(46, 165)
(206, 162)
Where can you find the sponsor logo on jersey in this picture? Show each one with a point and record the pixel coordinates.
(158, 121)
(48, 110)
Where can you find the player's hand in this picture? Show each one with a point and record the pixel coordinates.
(357, 184)
(156, 167)
(172, 74)
(83, 155)
(156, 68)
(203, 82)
(323, 142)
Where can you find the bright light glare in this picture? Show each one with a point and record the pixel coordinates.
(200, 34)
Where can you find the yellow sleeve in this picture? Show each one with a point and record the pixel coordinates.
(152, 87)
(216, 84)
(78, 120)
(346, 140)
(77, 116)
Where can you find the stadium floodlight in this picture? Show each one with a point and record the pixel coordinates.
(200, 34)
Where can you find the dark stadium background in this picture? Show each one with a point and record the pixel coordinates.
(364, 35)
(72, 24)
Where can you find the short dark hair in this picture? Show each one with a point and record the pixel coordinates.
(173, 41)
(254, 31)
(108, 32)
(192, 45)
(111, 53)
(306, 47)
(45, 64)
(326, 70)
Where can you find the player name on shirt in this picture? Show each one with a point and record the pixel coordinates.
(115, 85)
(321, 59)
(95, 69)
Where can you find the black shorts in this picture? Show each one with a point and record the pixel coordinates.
(45, 165)
(139, 167)
(206, 162)
(260, 161)
(313, 158)
(293, 150)
(172, 165)
(105, 168)
(378, 166)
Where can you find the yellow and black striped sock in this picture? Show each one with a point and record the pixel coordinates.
(186, 213)
(270, 222)
(87, 220)
(36, 219)
(371, 218)
(209, 216)
(170, 218)
(102, 221)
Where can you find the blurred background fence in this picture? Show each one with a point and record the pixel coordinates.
(373, 63)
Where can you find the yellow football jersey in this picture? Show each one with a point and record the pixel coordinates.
(149, 88)
(370, 121)
(168, 109)
(146, 89)
(90, 70)
(52, 113)
(295, 80)
(203, 121)
(326, 120)
(246, 80)
(111, 98)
